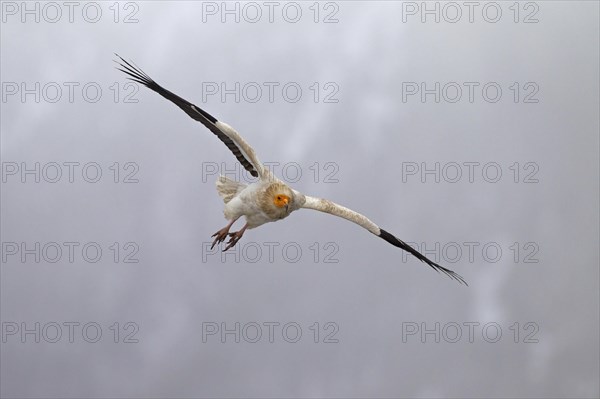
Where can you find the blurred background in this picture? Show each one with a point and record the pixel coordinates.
(470, 131)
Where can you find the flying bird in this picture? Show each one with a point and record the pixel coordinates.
(268, 199)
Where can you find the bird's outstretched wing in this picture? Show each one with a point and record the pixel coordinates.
(332, 208)
(236, 144)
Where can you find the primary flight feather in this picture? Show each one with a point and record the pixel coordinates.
(269, 199)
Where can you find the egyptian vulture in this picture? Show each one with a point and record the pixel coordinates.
(268, 199)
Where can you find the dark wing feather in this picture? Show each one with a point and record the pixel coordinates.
(401, 244)
(139, 76)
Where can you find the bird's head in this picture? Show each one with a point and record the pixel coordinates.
(278, 200)
(281, 200)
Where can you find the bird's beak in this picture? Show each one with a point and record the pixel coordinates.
(286, 207)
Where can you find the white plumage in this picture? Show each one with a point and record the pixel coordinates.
(269, 199)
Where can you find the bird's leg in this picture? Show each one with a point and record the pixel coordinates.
(235, 237)
(221, 235)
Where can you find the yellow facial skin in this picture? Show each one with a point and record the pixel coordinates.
(281, 200)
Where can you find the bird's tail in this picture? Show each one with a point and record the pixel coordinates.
(228, 188)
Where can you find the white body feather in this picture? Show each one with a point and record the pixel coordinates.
(246, 203)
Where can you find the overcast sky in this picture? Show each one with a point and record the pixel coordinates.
(470, 131)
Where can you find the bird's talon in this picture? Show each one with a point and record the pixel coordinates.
(234, 238)
(220, 236)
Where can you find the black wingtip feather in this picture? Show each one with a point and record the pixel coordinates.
(401, 244)
(136, 74)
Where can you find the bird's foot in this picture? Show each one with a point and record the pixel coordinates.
(234, 238)
(220, 236)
